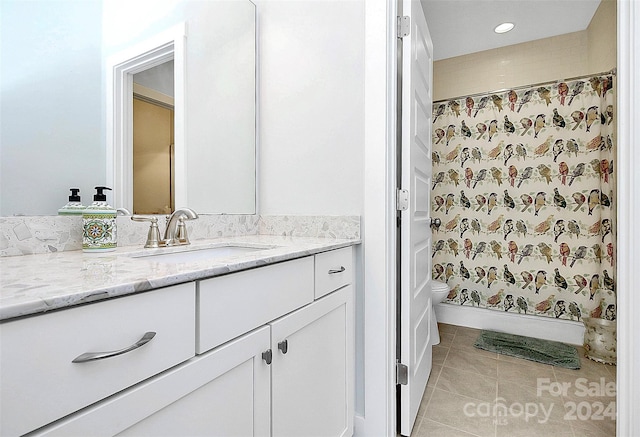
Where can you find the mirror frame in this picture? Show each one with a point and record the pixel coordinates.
(170, 44)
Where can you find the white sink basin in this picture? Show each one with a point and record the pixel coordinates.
(194, 255)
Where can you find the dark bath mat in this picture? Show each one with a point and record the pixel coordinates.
(528, 348)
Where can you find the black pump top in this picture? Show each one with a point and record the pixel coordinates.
(100, 196)
(74, 195)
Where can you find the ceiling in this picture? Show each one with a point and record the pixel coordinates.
(460, 27)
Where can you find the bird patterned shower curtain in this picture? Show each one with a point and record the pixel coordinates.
(523, 184)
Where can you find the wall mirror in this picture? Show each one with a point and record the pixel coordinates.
(54, 129)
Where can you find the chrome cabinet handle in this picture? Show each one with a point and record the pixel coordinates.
(334, 271)
(93, 356)
(283, 346)
(267, 356)
(139, 218)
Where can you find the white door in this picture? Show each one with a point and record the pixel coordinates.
(415, 242)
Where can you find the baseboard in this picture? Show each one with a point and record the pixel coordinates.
(546, 328)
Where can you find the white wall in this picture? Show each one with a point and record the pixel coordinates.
(311, 118)
(311, 106)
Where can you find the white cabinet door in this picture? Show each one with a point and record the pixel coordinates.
(312, 370)
(222, 393)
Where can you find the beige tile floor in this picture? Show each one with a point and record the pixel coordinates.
(467, 385)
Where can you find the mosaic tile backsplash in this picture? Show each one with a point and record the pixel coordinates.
(47, 234)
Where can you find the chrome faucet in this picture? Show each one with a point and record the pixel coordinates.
(175, 233)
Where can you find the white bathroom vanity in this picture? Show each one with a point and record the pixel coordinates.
(257, 343)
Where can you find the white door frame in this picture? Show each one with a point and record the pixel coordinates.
(628, 141)
(378, 249)
(377, 415)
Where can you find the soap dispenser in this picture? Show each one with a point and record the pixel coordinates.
(74, 207)
(99, 232)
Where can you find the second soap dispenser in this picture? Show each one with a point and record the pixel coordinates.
(75, 206)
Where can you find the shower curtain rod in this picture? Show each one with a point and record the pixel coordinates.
(613, 71)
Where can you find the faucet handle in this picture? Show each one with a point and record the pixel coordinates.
(153, 236)
(181, 232)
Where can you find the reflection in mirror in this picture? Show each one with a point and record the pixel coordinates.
(153, 113)
(54, 100)
(52, 105)
(153, 126)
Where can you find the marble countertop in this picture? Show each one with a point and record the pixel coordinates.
(34, 284)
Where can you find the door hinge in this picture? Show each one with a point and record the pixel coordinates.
(402, 199)
(404, 26)
(402, 374)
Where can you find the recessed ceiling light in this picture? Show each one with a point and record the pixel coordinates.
(503, 28)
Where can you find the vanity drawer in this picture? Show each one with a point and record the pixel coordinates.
(40, 383)
(229, 306)
(333, 270)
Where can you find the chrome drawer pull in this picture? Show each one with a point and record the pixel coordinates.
(283, 346)
(334, 271)
(267, 356)
(93, 356)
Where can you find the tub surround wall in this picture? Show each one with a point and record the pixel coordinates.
(573, 54)
(601, 37)
(520, 64)
(50, 234)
